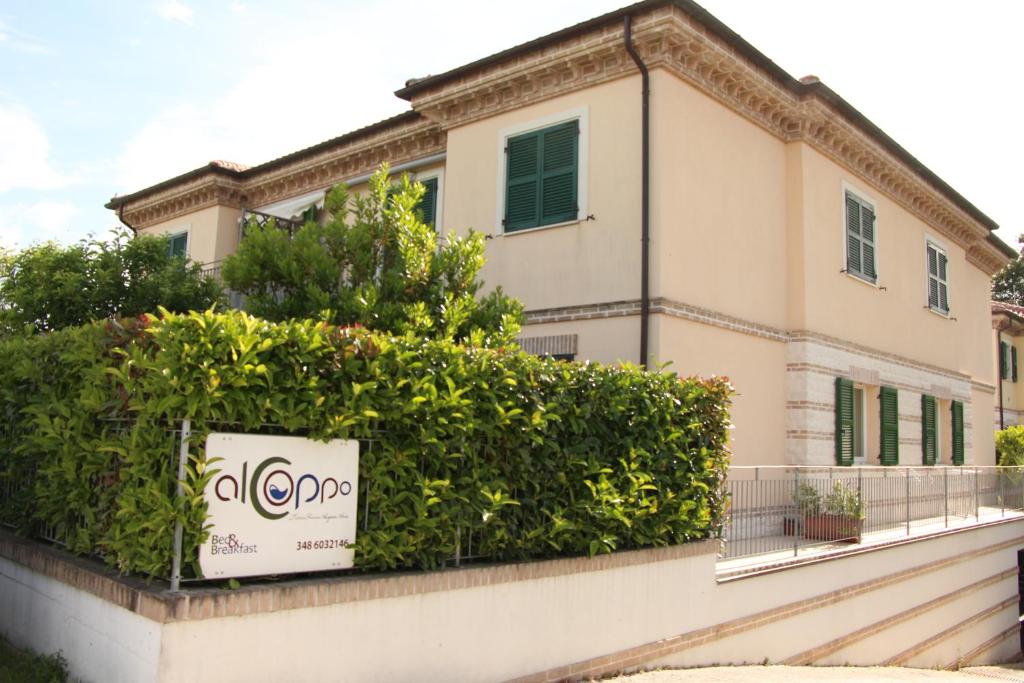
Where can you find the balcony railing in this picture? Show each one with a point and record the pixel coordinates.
(789, 511)
(250, 217)
(235, 299)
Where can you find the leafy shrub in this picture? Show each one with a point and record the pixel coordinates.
(1010, 446)
(49, 286)
(374, 261)
(21, 666)
(529, 457)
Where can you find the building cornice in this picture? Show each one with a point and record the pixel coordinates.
(326, 165)
(668, 38)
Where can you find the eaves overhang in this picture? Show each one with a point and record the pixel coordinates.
(811, 88)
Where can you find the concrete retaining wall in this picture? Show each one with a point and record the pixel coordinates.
(940, 600)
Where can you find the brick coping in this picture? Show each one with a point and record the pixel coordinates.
(154, 602)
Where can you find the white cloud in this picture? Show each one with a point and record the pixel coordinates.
(321, 78)
(280, 103)
(24, 161)
(15, 40)
(23, 224)
(173, 10)
(239, 7)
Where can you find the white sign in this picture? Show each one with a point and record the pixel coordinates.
(279, 505)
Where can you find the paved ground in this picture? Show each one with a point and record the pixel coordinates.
(848, 674)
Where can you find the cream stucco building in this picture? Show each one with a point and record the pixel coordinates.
(790, 244)
(1008, 345)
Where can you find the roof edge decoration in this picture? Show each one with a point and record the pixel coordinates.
(240, 172)
(678, 36)
(798, 89)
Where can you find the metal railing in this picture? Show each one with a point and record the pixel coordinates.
(235, 299)
(251, 217)
(789, 510)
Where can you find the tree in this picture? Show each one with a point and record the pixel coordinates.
(1008, 284)
(373, 262)
(49, 286)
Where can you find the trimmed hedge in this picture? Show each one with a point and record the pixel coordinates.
(530, 457)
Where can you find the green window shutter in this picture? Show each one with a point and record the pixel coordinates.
(844, 422)
(1013, 363)
(853, 260)
(889, 450)
(558, 184)
(957, 408)
(943, 285)
(522, 182)
(1004, 360)
(867, 233)
(308, 215)
(178, 245)
(860, 238)
(938, 286)
(933, 274)
(428, 203)
(929, 431)
(542, 177)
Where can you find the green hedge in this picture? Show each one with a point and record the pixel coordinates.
(530, 457)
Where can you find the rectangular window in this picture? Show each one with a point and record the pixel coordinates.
(957, 410)
(889, 419)
(178, 245)
(929, 430)
(938, 287)
(1013, 363)
(1004, 360)
(541, 171)
(860, 238)
(428, 203)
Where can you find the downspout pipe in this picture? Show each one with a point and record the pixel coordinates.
(999, 375)
(120, 217)
(645, 188)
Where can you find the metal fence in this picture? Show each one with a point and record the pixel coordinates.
(787, 510)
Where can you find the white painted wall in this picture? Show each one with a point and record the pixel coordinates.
(511, 628)
(101, 641)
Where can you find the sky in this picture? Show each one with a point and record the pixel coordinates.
(104, 98)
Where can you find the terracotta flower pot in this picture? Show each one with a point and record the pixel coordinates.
(826, 527)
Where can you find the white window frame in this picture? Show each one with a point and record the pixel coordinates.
(439, 211)
(868, 200)
(581, 114)
(185, 230)
(939, 247)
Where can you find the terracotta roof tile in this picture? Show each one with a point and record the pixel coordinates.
(1003, 307)
(229, 165)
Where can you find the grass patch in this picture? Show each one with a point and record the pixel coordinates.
(21, 666)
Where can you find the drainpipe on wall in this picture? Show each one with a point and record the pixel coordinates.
(645, 188)
(999, 374)
(120, 217)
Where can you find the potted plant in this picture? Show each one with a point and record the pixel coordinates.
(808, 502)
(840, 518)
